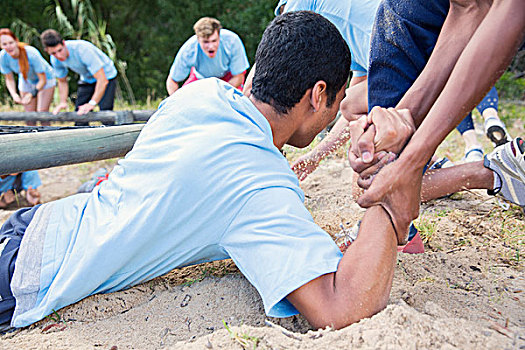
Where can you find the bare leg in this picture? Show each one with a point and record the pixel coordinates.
(441, 182)
(44, 101)
(361, 285)
(30, 107)
(471, 140)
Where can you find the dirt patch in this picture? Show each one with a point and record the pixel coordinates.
(466, 290)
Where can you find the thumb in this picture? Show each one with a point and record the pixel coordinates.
(365, 144)
(368, 198)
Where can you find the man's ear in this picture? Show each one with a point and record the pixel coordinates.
(318, 95)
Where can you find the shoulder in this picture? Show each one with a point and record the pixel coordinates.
(229, 35)
(80, 45)
(189, 48)
(32, 51)
(230, 39)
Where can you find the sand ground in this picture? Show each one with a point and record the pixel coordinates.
(466, 291)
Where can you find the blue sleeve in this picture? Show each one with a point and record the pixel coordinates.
(239, 61)
(59, 68)
(278, 247)
(4, 67)
(91, 59)
(299, 5)
(181, 66)
(36, 61)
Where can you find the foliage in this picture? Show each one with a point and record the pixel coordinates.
(146, 34)
(511, 88)
(78, 19)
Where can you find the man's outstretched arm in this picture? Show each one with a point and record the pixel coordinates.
(361, 285)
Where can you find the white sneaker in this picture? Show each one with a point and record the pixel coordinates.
(508, 162)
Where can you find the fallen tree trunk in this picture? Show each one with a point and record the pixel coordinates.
(39, 150)
(106, 117)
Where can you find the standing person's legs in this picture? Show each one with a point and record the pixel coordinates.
(11, 235)
(30, 107)
(473, 149)
(494, 127)
(84, 93)
(44, 98)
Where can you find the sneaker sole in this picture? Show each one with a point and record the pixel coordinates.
(497, 135)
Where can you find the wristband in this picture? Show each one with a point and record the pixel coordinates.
(93, 103)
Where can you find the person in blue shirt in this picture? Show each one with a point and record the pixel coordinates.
(211, 52)
(36, 82)
(240, 200)
(355, 20)
(97, 72)
(36, 85)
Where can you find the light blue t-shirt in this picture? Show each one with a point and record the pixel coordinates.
(37, 64)
(84, 59)
(230, 57)
(203, 182)
(353, 18)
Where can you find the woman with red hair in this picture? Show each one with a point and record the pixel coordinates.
(36, 82)
(36, 85)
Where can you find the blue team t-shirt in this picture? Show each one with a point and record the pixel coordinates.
(37, 64)
(203, 182)
(230, 57)
(353, 18)
(85, 59)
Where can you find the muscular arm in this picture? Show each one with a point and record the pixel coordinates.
(237, 80)
(171, 86)
(100, 89)
(476, 71)
(462, 21)
(361, 285)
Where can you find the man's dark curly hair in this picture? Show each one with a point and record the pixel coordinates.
(297, 50)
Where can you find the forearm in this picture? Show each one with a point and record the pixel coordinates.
(11, 86)
(361, 285)
(171, 86)
(63, 91)
(457, 30)
(41, 81)
(100, 89)
(237, 80)
(338, 136)
(475, 72)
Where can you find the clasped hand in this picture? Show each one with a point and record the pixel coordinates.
(377, 139)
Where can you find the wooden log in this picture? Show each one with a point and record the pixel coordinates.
(30, 151)
(106, 117)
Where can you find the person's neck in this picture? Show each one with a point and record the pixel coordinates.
(282, 126)
(16, 55)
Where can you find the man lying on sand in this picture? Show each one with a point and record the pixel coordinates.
(206, 181)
